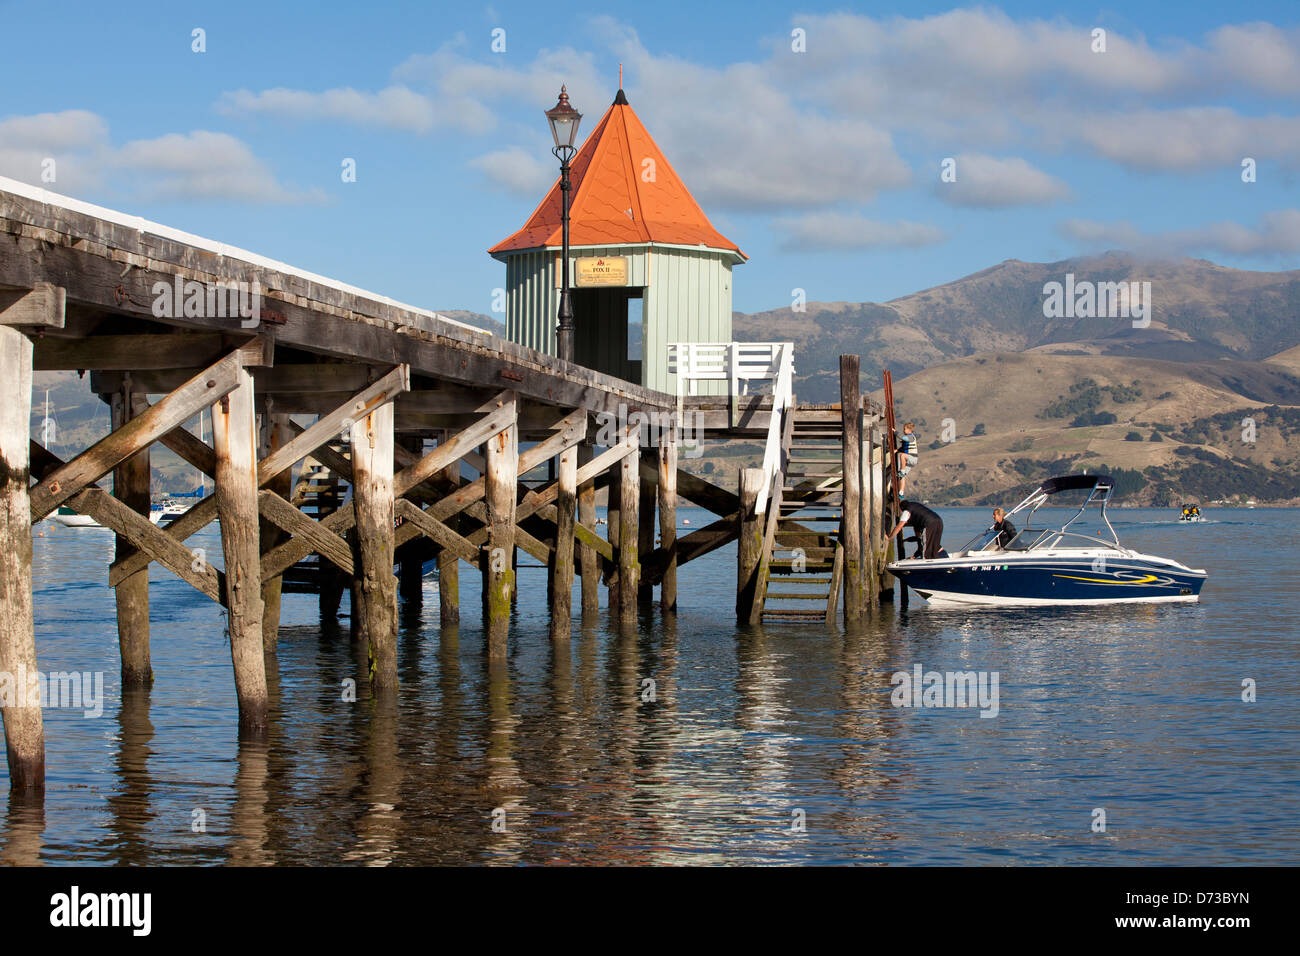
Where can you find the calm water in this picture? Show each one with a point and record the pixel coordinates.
(1136, 710)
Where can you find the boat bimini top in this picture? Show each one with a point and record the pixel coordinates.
(1099, 488)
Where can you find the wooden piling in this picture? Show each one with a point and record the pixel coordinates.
(566, 505)
(372, 497)
(234, 438)
(587, 558)
(668, 520)
(629, 536)
(500, 489)
(851, 527)
(277, 433)
(448, 563)
(24, 729)
(749, 543)
(613, 530)
(871, 509)
(648, 457)
(411, 557)
(131, 487)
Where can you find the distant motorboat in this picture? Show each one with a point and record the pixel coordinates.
(71, 519)
(1190, 513)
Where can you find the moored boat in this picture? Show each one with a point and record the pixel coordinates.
(1046, 566)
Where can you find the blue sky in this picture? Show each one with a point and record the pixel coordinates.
(822, 164)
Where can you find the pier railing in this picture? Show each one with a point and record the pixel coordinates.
(740, 364)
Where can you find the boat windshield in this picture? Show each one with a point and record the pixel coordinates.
(1097, 488)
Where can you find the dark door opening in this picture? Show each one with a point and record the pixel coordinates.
(608, 331)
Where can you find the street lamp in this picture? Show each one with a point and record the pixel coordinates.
(564, 120)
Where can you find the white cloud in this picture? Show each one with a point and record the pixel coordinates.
(200, 164)
(395, 106)
(987, 181)
(1278, 233)
(823, 231)
(73, 139)
(1191, 138)
(517, 170)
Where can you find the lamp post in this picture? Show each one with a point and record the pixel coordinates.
(564, 120)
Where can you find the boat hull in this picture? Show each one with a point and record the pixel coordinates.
(1010, 579)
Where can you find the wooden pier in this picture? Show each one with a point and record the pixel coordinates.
(384, 411)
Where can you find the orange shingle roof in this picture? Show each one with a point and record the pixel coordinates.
(611, 203)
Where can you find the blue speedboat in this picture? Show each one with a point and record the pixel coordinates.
(1051, 566)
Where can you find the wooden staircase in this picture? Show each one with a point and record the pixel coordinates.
(801, 570)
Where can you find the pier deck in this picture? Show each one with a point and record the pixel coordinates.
(382, 408)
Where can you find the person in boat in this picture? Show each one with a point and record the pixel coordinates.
(905, 455)
(928, 527)
(1005, 529)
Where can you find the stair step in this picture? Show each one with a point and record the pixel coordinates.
(794, 614)
(796, 596)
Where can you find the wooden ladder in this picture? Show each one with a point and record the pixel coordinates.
(803, 564)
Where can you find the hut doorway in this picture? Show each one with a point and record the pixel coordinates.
(608, 329)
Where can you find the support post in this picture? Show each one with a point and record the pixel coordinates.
(872, 511)
(24, 728)
(749, 544)
(587, 559)
(614, 529)
(234, 439)
(629, 535)
(851, 535)
(411, 556)
(566, 505)
(500, 489)
(372, 496)
(668, 520)
(645, 543)
(277, 434)
(131, 487)
(448, 563)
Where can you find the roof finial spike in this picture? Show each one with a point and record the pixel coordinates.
(620, 76)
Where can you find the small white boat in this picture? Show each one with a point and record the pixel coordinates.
(70, 519)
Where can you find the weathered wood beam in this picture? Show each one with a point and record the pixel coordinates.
(210, 386)
(43, 306)
(851, 524)
(131, 487)
(749, 543)
(234, 439)
(308, 441)
(561, 591)
(24, 727)
(190, 566)
(93, 275)
(698, 543)
(276, 433)
(629, 487)
(191, 449)
(132, 353)
(328, 427)
(448, 540)
(324, 542)
(667, 491)
(372, 498)
(448, 565)
(587, 560)
(502, 475)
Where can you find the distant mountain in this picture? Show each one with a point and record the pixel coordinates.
(1200, 312)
